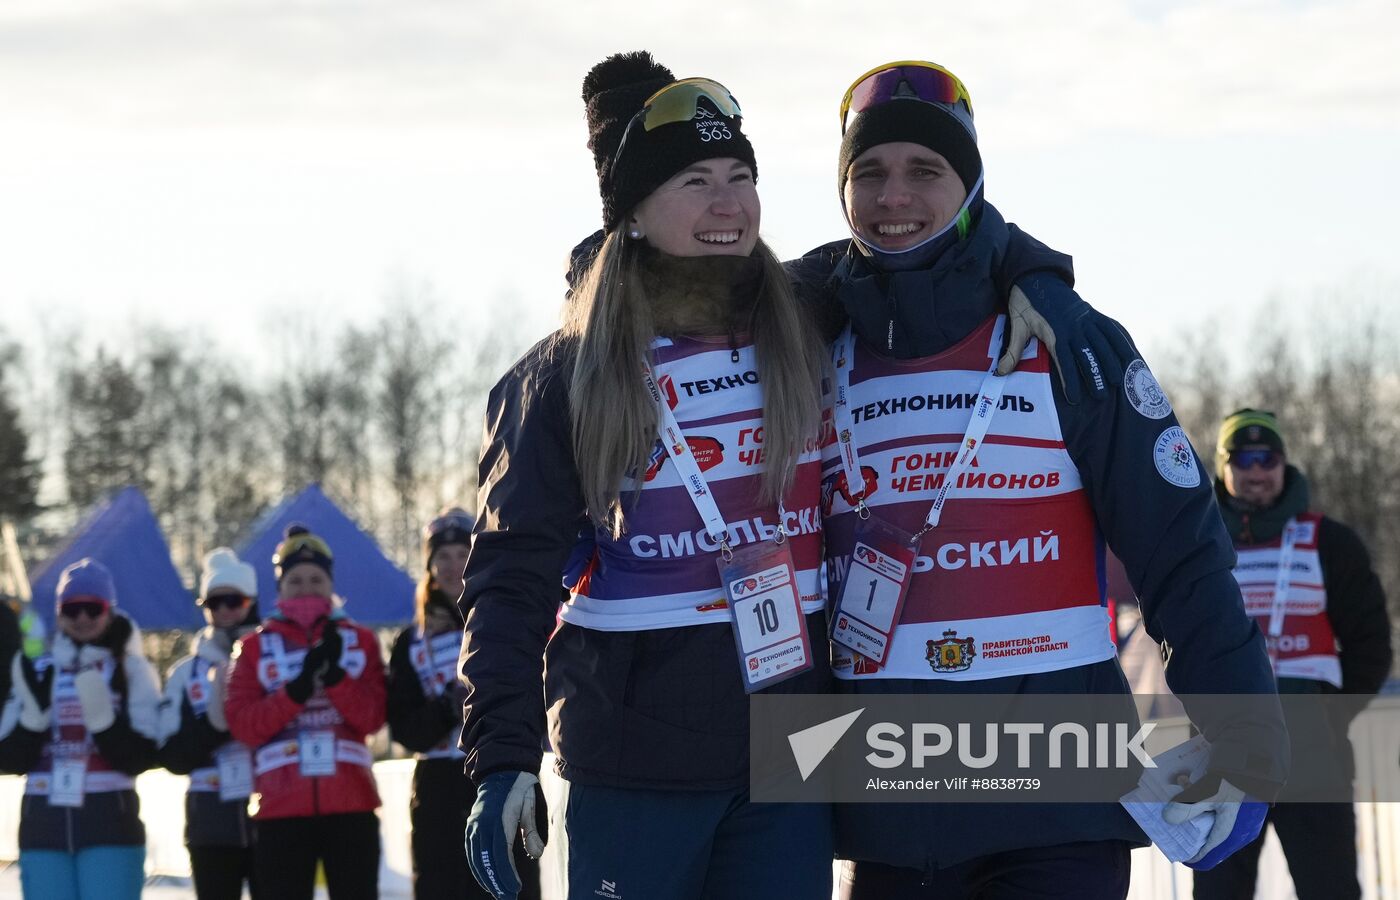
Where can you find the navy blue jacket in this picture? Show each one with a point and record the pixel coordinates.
(657, 709)
(1172, 543)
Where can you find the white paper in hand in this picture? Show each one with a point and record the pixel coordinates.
(1176, 768)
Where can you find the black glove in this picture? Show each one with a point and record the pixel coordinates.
(40, 684)
(331, 646)
(303, 686)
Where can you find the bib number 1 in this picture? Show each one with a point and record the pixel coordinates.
(872, 594)
(770, 630)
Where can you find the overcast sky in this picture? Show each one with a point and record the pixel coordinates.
(218, 163)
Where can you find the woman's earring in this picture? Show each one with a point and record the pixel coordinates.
(635, 234)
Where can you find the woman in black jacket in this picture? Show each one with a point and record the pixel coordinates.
(425, 716)
(81, 723)
(196, 742)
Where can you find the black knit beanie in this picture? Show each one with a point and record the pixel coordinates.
(453, 525)
(614, 92)
(298, 546)
(943, 129)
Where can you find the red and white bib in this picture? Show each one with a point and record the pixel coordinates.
(1011, 581)
(70, 740)
(1305, 646)
(278, 665)
(435, 660)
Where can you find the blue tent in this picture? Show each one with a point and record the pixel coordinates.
(375, 590)
(124, 536)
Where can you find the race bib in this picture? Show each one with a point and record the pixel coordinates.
(316, 753)
(872, 595)
(235, 764)
(770, 631)
(66, 789)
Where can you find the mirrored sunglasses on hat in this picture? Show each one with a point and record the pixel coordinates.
(1268, 460)
(677, 102)
(907, 79)
(291, 550)
(92, 608)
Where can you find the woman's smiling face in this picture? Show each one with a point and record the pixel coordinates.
(710, 208)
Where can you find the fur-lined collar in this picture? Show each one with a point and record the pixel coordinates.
(122, 637)
(700, 295)
(215, 645)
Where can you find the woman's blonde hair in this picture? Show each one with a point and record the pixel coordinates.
(614, 415)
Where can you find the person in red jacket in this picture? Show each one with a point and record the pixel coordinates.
(304, 691)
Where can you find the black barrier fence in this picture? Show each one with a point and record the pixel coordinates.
(1043, 748)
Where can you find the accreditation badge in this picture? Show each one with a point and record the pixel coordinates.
(235, 771)
(770, 630)
(69, 778)
(873, 591)
(316, 753)
(67, 783)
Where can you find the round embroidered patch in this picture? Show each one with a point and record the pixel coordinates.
(1144, 393)
(1176, 461)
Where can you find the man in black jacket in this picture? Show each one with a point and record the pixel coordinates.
(1326, 635)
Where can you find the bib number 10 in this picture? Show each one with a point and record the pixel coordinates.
(770, 630)
(766, 613)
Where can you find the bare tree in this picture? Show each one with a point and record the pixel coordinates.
(19, 469)
(107, 444)
(406, 406)
(1333, 379)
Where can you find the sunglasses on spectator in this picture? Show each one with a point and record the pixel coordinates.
(76, 608)
(219, 601)
(1268, 460)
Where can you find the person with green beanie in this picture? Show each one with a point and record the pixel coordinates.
(1327, 634)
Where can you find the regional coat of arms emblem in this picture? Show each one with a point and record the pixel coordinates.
(952, 653)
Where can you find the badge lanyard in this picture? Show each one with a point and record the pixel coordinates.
(1279, 610)
(691, 477)
(988, 399)
(68, 778)
(882, 560)
(759, 581)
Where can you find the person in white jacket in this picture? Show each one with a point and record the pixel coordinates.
(195, 739)
(81, 722)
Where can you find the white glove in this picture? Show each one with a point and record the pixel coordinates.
(33, 715)
(93, 694)
(507, 804)
(1224, 804)
(1023, 323)
(217, 678)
